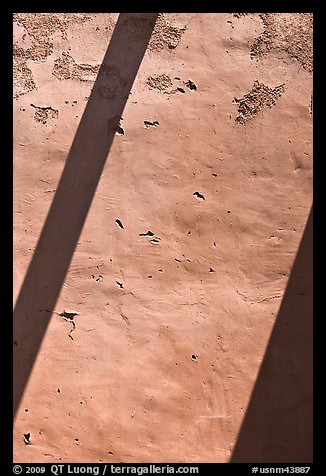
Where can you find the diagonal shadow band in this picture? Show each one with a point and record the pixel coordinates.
(277, 427)
(86, 159)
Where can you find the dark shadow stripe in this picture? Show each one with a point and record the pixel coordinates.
(76, 189)
(277, 427)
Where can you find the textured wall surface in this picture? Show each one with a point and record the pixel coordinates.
(171, 237)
